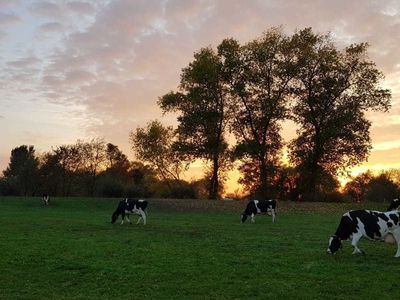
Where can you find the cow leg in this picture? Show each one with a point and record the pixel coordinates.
(354, 241)
(143, 216)
(123, 217)
(127, 217)
(396, 235)
(273, 215)
(253, 219)
(138, 221)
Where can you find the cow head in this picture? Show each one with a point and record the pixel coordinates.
(334, 244)
(394, 204)
(243, 218)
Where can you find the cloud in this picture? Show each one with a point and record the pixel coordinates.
(113, 59)
(80, 7)
(7, 19)
(51, 27)
(24, 62)
(46, 9)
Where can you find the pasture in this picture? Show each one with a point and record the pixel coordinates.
(187, 250)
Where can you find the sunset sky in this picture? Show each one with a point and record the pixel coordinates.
(82, 69)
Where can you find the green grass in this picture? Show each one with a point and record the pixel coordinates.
(71, 251)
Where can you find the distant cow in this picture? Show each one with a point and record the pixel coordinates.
(374, 225)
(46, 199)
(127, 207)
(258, 207)
(394, 204)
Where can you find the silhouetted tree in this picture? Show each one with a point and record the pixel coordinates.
(202, 107)
(93, 160)
(117, 163)
(69, 164)
(50, 173)
(357, 187)
(153, 145)
(332, 91)
(22, 171)
(259, 74)
(381, 188)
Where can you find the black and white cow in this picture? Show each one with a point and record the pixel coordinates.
(46, 199)
(373, 225)
(129, 206)
(258, 207)
(394, 204)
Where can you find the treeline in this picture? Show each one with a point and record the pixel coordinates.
(87, 168)
(96, 168)
(230, 105)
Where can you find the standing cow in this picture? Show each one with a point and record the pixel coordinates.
(46, 199)
(127, 207)
(373, 225)
(258, 207)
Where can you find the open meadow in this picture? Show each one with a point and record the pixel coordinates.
(188, 250)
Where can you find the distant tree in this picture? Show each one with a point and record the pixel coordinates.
(153, 145)
(259, 75)
(332, 90)
(50, 173)
(142, 180)
(93, 160)
(22, 171)
(202, 107)
(69, 162)
(357, 187)
(113, 177)
(394, 175)
(381, 188)
(117, 163)
(287, 183)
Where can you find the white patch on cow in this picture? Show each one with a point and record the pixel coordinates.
(256, 204)
(383, 228)
(389, 238)
(330, 242)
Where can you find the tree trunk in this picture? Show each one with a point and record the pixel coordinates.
(214, 182)
(263, 179)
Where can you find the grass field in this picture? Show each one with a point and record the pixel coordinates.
(71, 251)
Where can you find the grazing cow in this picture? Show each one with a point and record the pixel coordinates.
(127, 207)
(394, 205)
(46, 199)
(374, 225)
(257, 207)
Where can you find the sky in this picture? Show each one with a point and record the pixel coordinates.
(73, 69)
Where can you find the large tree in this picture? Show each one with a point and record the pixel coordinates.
(153, 145)
(93, 160)
(22, 171)
(333, 90)
(202, 107)
(258, 74)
